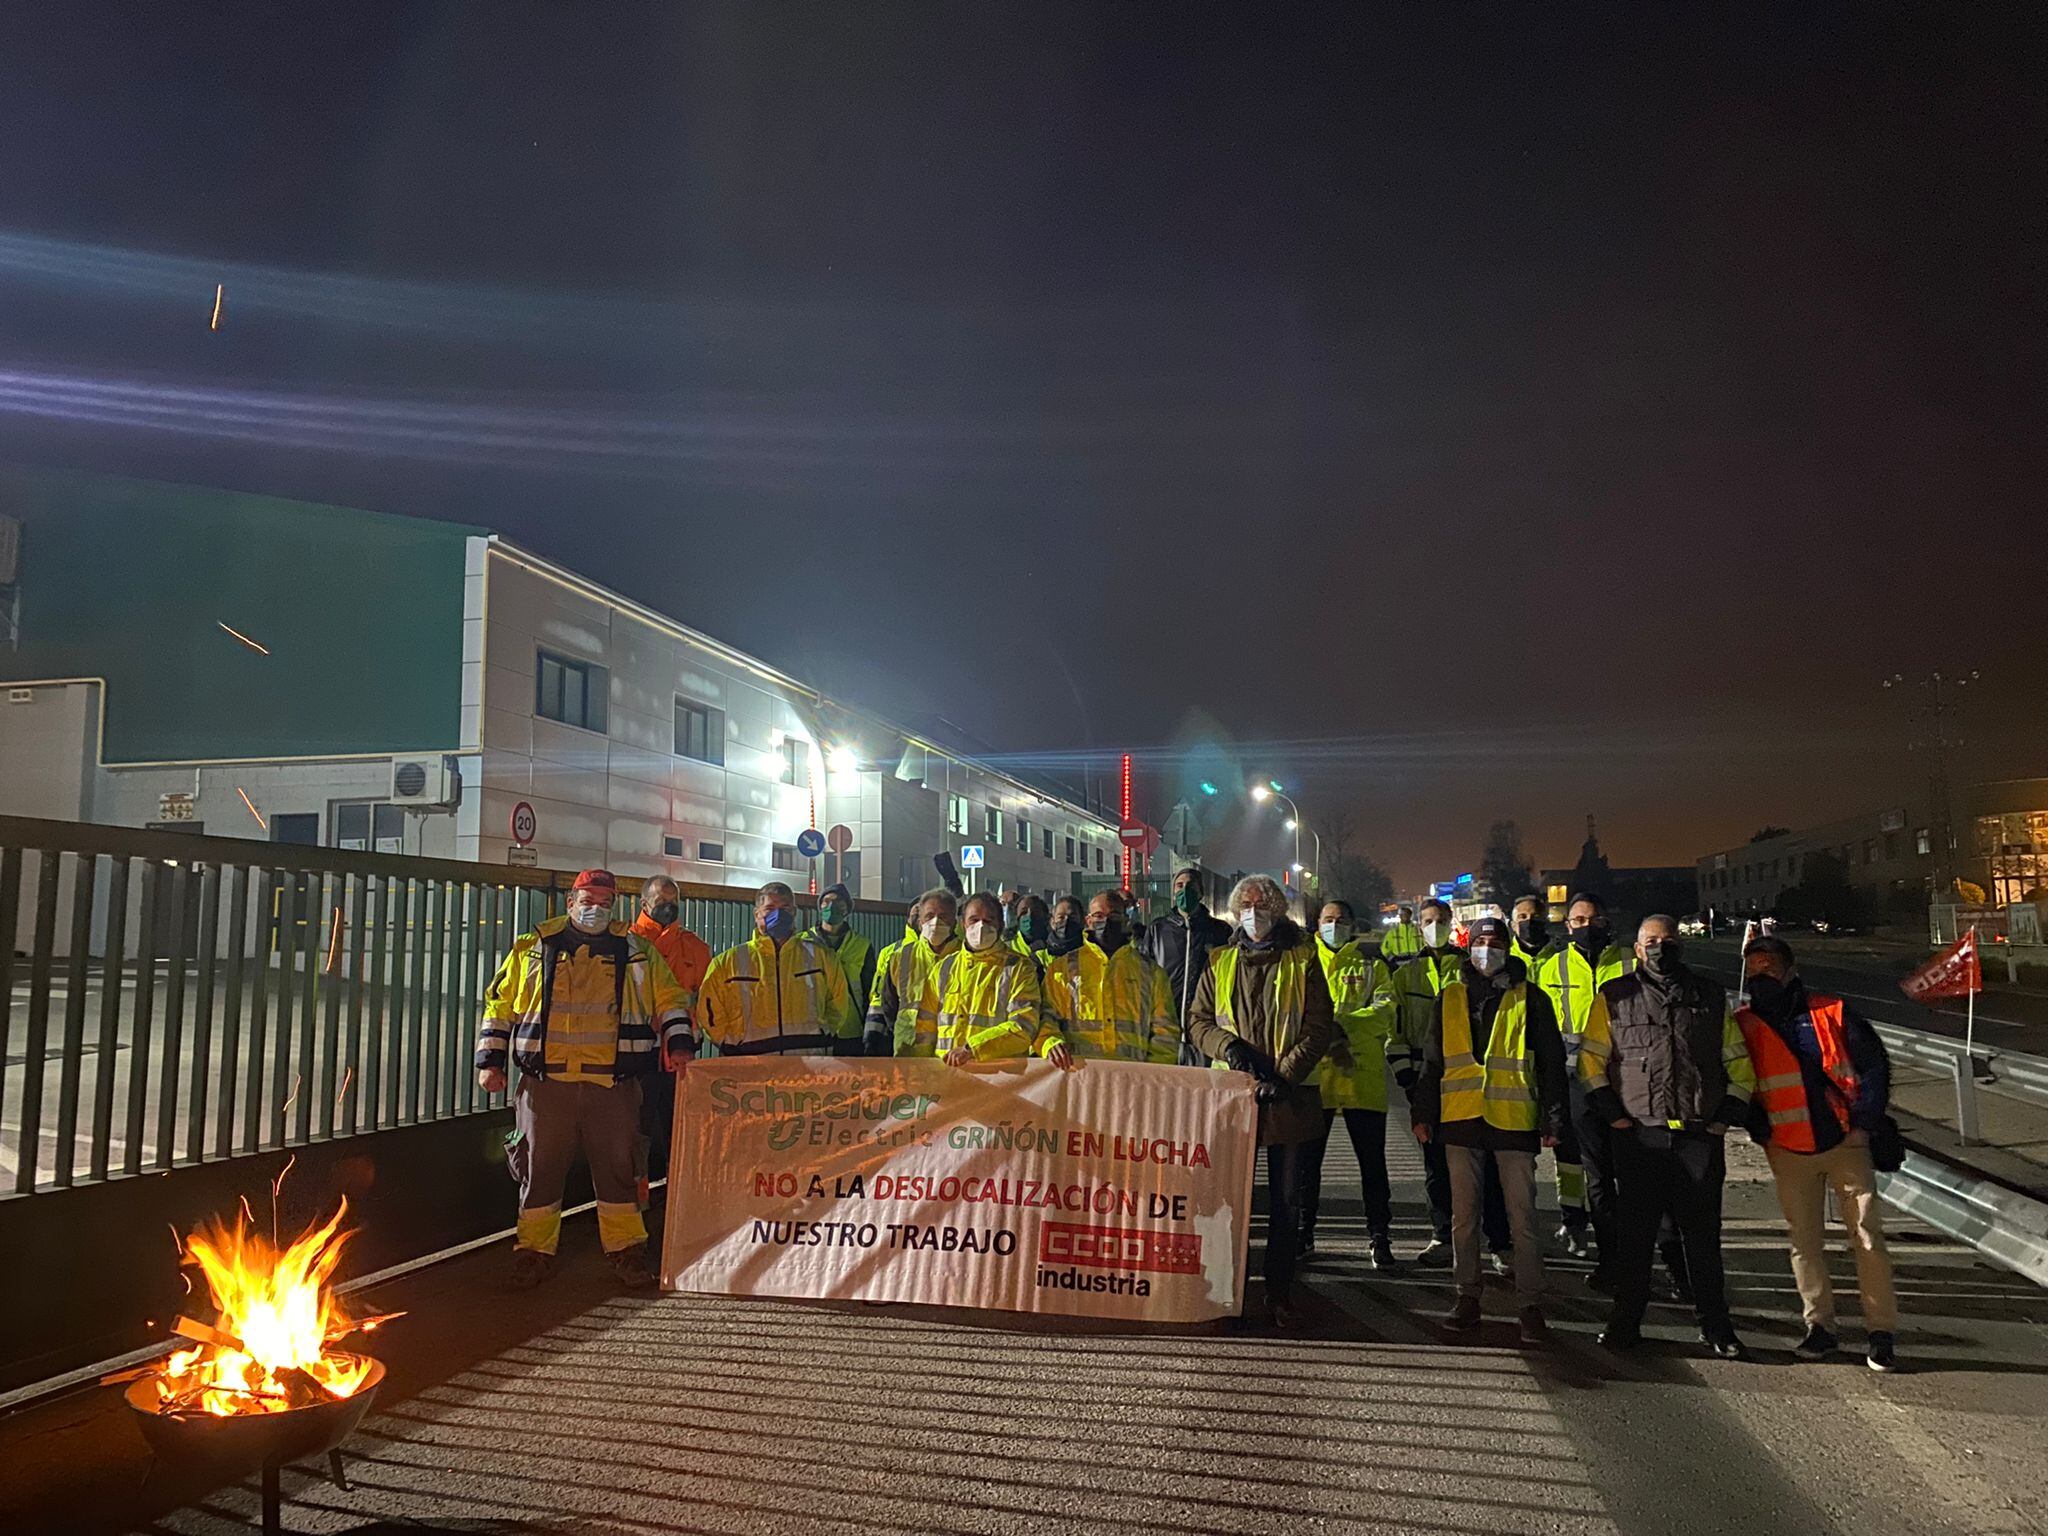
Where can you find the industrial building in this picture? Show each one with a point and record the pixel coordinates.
(254, 667)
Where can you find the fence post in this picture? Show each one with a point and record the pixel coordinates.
(1968, 1126)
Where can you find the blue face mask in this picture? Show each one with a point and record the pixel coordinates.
(779, 922)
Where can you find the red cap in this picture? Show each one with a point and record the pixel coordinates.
(597, 880)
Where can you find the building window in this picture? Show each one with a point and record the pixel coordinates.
(1047, 835)
(711, 853)
(1098, 858)
(1070, 850)
(700, 732)
(672, 847)
(302, 827)
(1023, 834)
(956, 814)
(1923, 841)
(795, 761)
(373, 826)
(572, 692)
(783, 856)
(1870, 850)
(992, 823)
(1891, 845)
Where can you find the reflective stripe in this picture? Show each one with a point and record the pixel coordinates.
(1780, 1080)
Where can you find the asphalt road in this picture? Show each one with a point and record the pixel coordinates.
(574, 1408)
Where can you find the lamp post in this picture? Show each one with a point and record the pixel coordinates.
(1271, 790)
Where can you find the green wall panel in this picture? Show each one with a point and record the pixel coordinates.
(130, 580)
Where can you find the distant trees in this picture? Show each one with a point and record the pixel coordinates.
(1765, 834)
(1504, 867)
(1355, 877)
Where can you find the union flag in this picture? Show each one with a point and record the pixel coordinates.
(1955, 972)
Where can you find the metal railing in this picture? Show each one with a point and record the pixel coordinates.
(169, 999)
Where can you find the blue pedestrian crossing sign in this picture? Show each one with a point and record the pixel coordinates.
(971, 857)
(810, 842)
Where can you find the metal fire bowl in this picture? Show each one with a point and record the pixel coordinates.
(251, 1439)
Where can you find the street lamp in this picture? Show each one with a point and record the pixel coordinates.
(842, 760)
(1270, 790)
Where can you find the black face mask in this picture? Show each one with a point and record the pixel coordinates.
(1108, 932)
(1033, 927)
(1592, 938)
(1066, 937)
(1662, 957)
(1766, 993)
(665, 912)
(1532, 931)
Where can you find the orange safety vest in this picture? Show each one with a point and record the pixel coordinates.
(1781, 1086)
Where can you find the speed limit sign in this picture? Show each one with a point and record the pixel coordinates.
(525, 825)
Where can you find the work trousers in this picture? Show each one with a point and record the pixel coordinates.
(1571, 1177)
(1368, 1131)
(558, 1120)
(1595, 1156)
(1658, 1173)
(1283, 1217)
(657, 1122)
(1804, 1179)
(1436, 1190)
(1517, 1185)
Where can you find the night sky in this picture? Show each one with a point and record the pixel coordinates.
(1457, 413)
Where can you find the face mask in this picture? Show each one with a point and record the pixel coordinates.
(1660, 958)
(1134, 915)
(1432, 932)
(665, 912)
(982, 935)
(1532, 931)
(1256, 924)
(832, 914)
(1105, 931)
(591, 919)
(1186, 899)
(1487, 959)
(1336, 935)
(1066, 937)
(1765, 991)
(1591, 937)
(779, 922)
(1033, 927)
(936, 931)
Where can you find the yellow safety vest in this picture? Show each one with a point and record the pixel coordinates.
(1401, 942)
(852, 954)
(1290, 983)
(1501, 1087)
(1355, 979)
(1408, 998)
(1118, 1007)
(563, 1010)
(913, 966)
(988, 1002)
(758, 1001)
(1570, 983)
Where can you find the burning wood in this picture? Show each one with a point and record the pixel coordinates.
(269, 1349)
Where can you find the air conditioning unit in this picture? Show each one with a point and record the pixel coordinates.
(426, 781)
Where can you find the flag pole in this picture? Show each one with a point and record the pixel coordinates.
(1970, 1016)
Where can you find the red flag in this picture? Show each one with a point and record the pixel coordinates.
(1955, 972)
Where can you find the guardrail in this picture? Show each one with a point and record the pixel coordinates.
(179, 999)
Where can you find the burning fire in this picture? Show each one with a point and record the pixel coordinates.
(268, 1351)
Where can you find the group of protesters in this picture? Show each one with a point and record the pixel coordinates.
(1626, 1065)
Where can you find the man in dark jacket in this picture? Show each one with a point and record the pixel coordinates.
(1492, 1085)
(1179, 944)
(1263, 1007)
(1665, 1069)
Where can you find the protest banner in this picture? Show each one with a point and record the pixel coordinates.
(1113, 1190)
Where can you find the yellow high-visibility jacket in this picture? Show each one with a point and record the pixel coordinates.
(1354, 1074)
(758, 1000)
(580, 1008)
(1571, 984)
(1116, 1006)
(988, 1002)
(903, 1009)
(853, 952)
(1499, 1085)
(1408, 998)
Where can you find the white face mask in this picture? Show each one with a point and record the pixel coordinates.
(1336, 935)
(1488, 958)
(589, 919)
(982, 935)
(1432, 932)
(936, 931)
(1256, 923)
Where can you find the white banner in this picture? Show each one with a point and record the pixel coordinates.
(1113, 1190)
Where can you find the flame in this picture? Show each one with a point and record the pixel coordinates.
(268, 1351)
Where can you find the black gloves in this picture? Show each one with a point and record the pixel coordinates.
(1406, 1078)
(1269, 1090)
(1242, 1058)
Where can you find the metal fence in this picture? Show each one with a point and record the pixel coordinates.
(168, 999)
